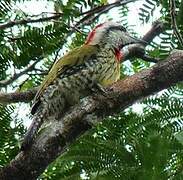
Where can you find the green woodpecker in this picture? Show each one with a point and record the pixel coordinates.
(95, 64)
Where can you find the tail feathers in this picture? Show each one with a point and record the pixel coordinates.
(31, 133)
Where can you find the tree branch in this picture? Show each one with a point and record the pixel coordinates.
(107, 6)
(6, 82)
(26, 21)
(174, 23)
(15, 97)
(56, 137)
(100, 10)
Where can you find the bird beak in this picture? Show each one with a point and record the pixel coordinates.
(131, 40)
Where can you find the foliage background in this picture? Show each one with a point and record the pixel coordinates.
(146, 143)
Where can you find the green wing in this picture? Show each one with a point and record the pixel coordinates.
(75, 57)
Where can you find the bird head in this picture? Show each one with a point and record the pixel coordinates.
(110, 35)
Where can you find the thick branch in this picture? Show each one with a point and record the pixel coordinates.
(53, 141)
(18, 96)
(157, 28)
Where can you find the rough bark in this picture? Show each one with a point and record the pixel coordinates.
(55, 138)
(14, 97)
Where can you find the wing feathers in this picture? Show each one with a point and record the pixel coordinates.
(75, 57)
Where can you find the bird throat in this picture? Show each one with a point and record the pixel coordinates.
(118, 54)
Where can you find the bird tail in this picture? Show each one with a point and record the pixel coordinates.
(32, 131)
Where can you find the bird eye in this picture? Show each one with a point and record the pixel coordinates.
(121, 28)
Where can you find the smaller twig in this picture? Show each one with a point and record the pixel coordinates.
(29, 20)
(106, 7)
(101, 10)
(6, 82)
(78, 30)
(98, 8)
(174, 23)
(21, 84)
(44, 13)
(93, 18)
(41, 73)
(40, 70)
(157, 28)
(72, 28)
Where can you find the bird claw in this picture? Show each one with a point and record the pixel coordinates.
(98, 88)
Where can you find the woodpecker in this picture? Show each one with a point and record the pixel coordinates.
(93, 65)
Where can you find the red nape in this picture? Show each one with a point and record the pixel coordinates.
(92, 34)
(118, 54)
